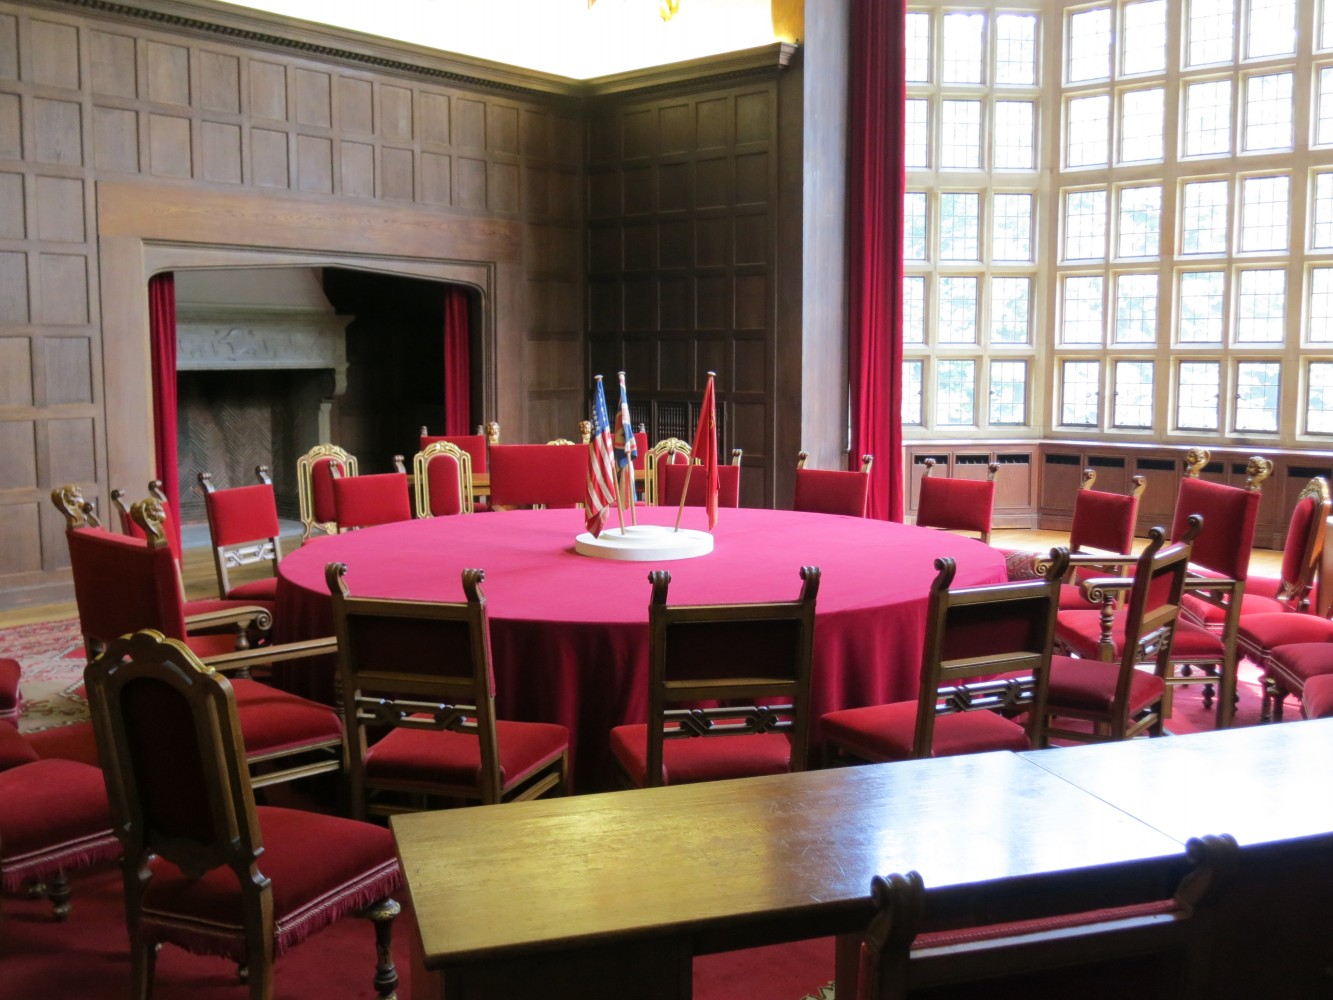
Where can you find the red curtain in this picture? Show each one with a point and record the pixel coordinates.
(457, 364)
(162, 337)
(875, 181)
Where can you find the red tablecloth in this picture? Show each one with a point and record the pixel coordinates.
(569, 632)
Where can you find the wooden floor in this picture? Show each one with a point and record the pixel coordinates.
(200, 580)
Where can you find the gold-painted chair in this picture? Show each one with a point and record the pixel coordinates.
(314, 487)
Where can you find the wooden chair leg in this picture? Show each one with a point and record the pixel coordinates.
(59, 892)
(382, 915)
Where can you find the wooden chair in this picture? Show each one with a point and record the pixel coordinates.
(727, 653)
(673, 482)
(314, 487)
(123, 585)
(1100, 682)
(244, 530)
(668, 451)
(54, 820)
(205, 868)
(441, 480)
(537, 475)
(957, 504)
(477, 448)
(986, 658)
(1154, 948)
(419, 676)
(1103, 525)
(367, 501)
(830, 491)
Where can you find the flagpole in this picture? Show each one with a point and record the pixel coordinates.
(684, 492)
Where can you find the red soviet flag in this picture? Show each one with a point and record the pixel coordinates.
(704, 450)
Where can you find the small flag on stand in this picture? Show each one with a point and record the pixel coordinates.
(626, 447)
(600, 489)
(704, 450)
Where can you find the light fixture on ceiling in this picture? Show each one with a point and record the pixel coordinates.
(667, 8)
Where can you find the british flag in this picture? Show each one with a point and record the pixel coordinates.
(600, 490)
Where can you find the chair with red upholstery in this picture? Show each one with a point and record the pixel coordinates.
(832, 491)
(728, 690)
(676, 479)
(477, 447)
(417, 676)
(668, 451)
(442, 480)
(640, 464)
(365, 501)
(243, 527)
(123, 585)
(986, 658)
(537, 475)
(1317, 698)
(1099, 681)
(1037, 944)
(11, 697)
(205, 868)
(957, 504)
(314, 487)
(1103, 525)
(54, 820)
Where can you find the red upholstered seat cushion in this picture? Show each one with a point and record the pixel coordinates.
(686, 761)
(886, 732)
(322, 868)
(1194, 642)
(1080, 632)
(364, 501)
(435, 758)
(1304, 660)
(1206, 613)
(963, 504)
(243, 514)
(673, 483)
(54, 818)
(827, 491)
(263, 592)
(14, 748)
(273, 721)
(1089, 685)
(1282, 628)
(9, 688)
(1317, 698)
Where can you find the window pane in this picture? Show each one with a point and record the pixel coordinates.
(963, 34)
(1326, 29)
(1271, 30)
(1011, 233)
(1140, 221)
(914, 309)
(916, 140)
(1080, 393)
(955, 393)
(1211, 30)
(1263, 213)
(958, 311)
(1010, 299)
(1008, 392)
(1319, 402)
(1323, 133)
(1088, 118)
(960, 135)
(1133, 394)
(1204, 223)
(1321, 237)
(1015, 143)
(1196, 402)
(1261, 309)
(1321, 306)
(1090, 45)
(913, 414)
(1141, 125)
(1208, 118)
(914, 225)
(918, 47)
(1136, 309)
(1202, 307)
(1257, 385)
(1082, 314)
(1085, 225)
(1016, 49)
(960, 224)
(1144, 42)
(1268, 111)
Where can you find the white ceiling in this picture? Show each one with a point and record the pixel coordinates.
(564, 37)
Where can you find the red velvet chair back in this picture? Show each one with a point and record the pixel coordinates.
(673, 477)
(641, 450)
(829, 491)
(315, 472)
(1304, 547)
(473, 444)
(122, 585)
(1103, 521)
(445, 470)
(526, 475)
(364, 501)
(242, 514)
(1229, 518)
(323, 471)
(956, 504)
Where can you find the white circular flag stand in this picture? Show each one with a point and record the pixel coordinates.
(644, 542)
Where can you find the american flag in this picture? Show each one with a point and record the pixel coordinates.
(600, 490)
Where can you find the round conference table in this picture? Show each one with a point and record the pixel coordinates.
(569, 632)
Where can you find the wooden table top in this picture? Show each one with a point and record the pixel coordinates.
(1261, 784)
(778, 858)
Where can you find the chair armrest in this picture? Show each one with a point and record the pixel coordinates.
(244, 659)
(1212, 585)
(1101, 559)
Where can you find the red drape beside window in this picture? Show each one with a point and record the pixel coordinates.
(457, 364)
(162, 337)
(875, 182)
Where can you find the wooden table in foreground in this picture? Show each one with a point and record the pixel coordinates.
(611, 895)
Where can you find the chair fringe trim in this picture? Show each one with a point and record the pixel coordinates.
(80, 852)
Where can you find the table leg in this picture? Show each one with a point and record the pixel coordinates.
(847, 965)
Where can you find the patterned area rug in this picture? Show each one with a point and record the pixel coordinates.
(825, 993)
(50, 657)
